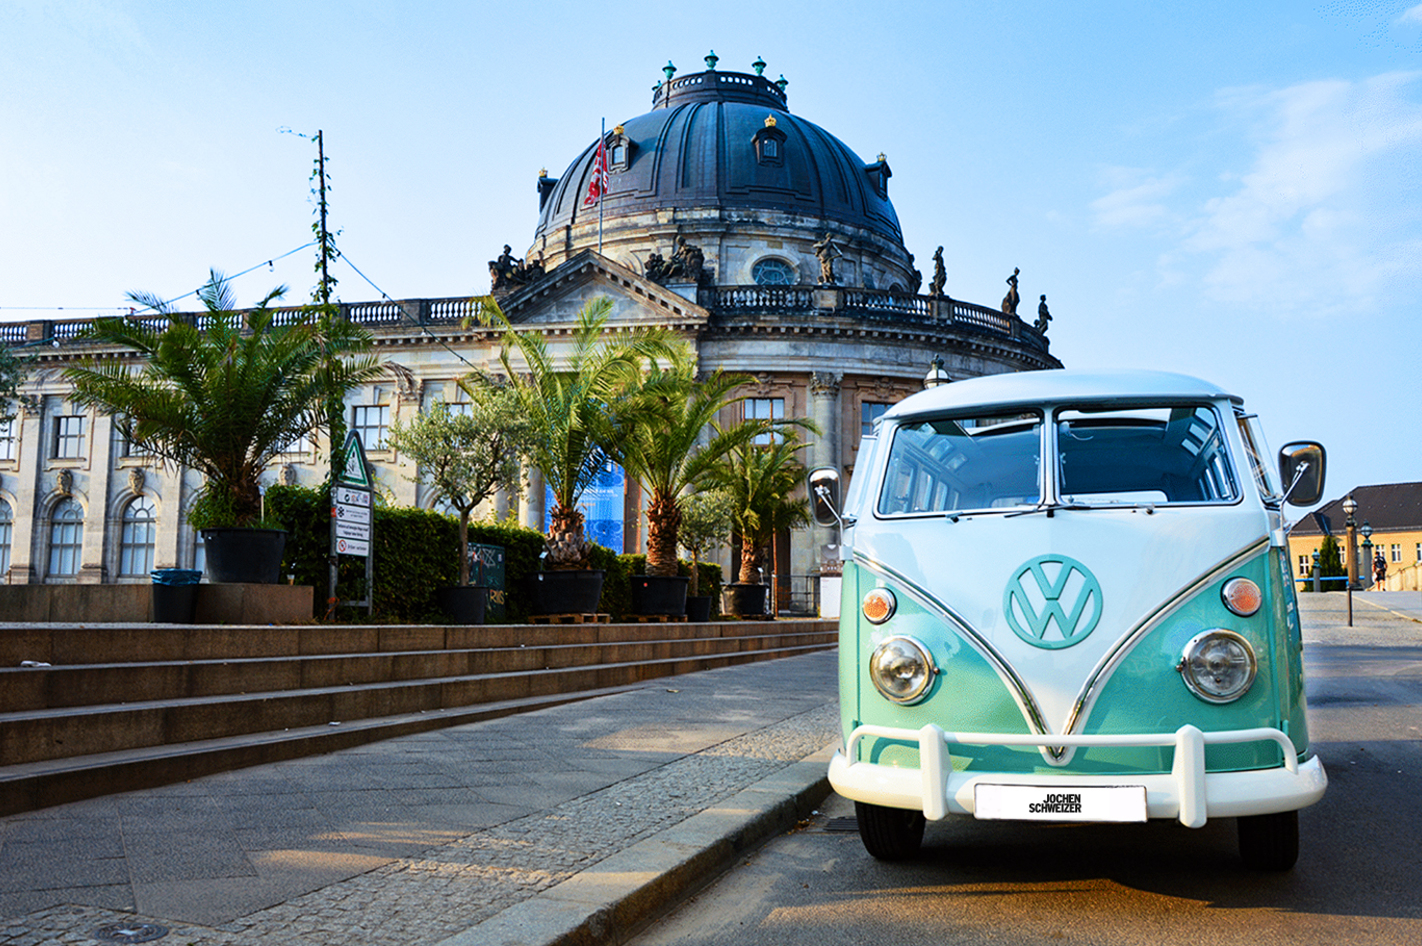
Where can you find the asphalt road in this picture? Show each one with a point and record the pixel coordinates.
(1358, 880)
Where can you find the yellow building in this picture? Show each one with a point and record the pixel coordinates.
(1391, 513)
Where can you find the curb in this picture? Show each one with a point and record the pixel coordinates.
(619, 895)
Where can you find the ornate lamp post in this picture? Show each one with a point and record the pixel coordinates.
(936, 374)
(1367, 558)
(1350, 506)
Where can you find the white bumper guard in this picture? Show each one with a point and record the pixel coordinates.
(1187, 792)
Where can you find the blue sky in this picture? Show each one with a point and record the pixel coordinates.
(1230, 190)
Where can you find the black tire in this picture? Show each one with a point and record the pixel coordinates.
(1269, 842)
(889, 834)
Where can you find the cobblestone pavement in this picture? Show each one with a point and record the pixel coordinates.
(718, 733)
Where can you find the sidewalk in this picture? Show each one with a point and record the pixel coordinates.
(564, 826)
(567, 825)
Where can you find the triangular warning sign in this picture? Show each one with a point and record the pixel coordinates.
(356, 473)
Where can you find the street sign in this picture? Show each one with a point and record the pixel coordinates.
(357, 470)
(353, 547)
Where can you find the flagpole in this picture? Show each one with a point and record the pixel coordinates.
(601, 140)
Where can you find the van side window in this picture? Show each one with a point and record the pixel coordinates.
(959, 463)
(1174, 454)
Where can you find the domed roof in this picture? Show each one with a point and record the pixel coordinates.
(719, 140)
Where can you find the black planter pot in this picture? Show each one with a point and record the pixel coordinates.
(746, 600)
(659, 594)
(463, 604)
(698, 608)
(243, 556)
(571, 591)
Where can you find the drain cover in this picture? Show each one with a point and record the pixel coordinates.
(842, 824)
(130, 933)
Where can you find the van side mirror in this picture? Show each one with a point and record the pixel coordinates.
(823, 483)
(1301, 469)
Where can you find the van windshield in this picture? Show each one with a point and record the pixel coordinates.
(1174, 454)
(960, 463)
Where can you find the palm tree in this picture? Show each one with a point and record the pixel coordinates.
(573, 407)
(664, 450)
(222, 397)
(759, 479)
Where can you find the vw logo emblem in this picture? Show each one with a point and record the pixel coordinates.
(1040, 592)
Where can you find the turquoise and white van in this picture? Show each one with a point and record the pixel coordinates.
(1066, 597)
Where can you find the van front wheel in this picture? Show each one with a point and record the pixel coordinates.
(889, 834)
(1269, 842)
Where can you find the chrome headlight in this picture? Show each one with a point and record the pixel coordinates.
(901, 669)
(1218, 666)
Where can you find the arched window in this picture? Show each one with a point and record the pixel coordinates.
(773, 272)
(137, 539)
(7, 530)
(66, 538)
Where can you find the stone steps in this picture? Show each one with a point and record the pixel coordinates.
(126, 706)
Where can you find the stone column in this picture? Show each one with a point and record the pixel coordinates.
(530, 504)
(97, 527)
(29, 496)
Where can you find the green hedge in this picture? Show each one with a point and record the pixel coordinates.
(416, 552)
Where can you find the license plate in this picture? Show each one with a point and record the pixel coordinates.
(1060, 802)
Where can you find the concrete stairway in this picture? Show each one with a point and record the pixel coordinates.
(127, 706)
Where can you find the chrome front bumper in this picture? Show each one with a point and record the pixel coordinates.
(1187, 793)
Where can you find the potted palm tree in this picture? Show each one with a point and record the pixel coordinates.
(667, 452)
(571, 401)
(759, 480)
(466, 455)
(223, 394)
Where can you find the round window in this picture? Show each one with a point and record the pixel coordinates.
(773, 272)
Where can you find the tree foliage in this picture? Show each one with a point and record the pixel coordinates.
(705, 527)
(666, 448)
(467, 457)
(13, 371)
(760, 480)
(225, 394)
(571, 400)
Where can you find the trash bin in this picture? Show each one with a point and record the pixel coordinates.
(486, 567)
(175, 592)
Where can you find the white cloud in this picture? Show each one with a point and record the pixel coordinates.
(1411, 15)
(1318, 213)
(1139, 199)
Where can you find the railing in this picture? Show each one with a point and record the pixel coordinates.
(758, 298)
(872, 305)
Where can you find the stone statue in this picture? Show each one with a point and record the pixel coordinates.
(687, 264)
(827, 250)
(135, 481)
(915, 277)
(940, 274)
(1009, 301)
(691, 259)
(510, 272)
(1043, 317)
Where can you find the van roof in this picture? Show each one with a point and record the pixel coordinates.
(1024, 388)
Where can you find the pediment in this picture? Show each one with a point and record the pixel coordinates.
(636, 300)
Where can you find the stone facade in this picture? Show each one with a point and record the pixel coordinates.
(838, 352)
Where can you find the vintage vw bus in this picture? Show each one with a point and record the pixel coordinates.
(1066, 597)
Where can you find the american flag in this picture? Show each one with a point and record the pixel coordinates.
(598, 185)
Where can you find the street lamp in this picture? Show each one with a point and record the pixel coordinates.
(936, 375)
(1367, 560)
(1350, 506)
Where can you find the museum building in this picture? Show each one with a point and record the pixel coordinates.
(754, 234)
